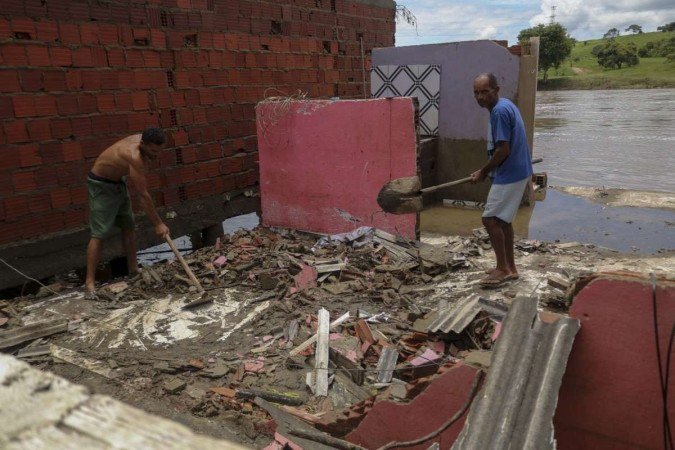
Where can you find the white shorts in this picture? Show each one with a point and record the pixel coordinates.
(504, 199)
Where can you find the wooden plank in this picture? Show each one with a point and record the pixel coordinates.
(386, 364)
(92, 365)
(321, 355)
(12, 338)
(339, 321)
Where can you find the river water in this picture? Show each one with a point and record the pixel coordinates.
(614, 138)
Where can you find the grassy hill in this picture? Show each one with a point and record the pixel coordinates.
(581, 69)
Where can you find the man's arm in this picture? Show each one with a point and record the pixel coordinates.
(502, 151)
(137, 175)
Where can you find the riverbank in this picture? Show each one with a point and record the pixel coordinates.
(582, 72)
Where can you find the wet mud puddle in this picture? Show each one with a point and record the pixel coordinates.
(568, 218)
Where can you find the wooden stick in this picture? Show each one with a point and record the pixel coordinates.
(191, 275)
(321, 355)
(340, 320)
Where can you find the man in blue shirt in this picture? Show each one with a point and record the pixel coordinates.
(510, 169)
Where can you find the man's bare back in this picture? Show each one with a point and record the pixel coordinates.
(115, 161)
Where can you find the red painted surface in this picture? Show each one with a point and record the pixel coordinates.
(610, 396)
(322, 163)
(389, 421)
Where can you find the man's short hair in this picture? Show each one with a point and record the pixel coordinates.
(153, 135)
(492, 79)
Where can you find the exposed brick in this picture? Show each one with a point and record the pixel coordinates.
(105, 102)
(9, 81)
(39, 203)
(51, 152)
(54, 80)
(31, 80)
(72, 151)
(16, 206)
(38, 56)
(16, 132)
(89, 33)
(24, 181)
(45, 105)
(61, 127)
(69, 33)
(139, 100)
(82, 57)
(24, 105)
(14, 55)
(60, 197)
(61, 56)
(39, 129)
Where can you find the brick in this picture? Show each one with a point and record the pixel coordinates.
(61, 128)
(24, 106)
(108, 34)
(72, 151)
(10, 231)
(89, 33)
(116, 57)
(105, 102)
(31, 80)
(73, 218)
(14, 55)
(139, 100)
(39, 203)
(38, 55)
(16, 206)
(81, 126)
(24, 181)
(39, 129)
(87, 104)
(54, 81)
(134, 58)
(74, 80)
(16, 132)
(82, 57)
(9, 81)
(151, 58)
(67, 104)
(69, 33)
(61, 56)
(45, 105)
(46, 177)
(47, 31)
(91, 80)
(23, 25)
(60, 197)
(51, 152)
(5, 31)
(29, 155)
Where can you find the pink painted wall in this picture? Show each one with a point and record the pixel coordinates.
(389, 421)
(323, 162)
(610, 397)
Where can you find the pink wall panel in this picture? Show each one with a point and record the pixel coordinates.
(323, 162)
(610, 397)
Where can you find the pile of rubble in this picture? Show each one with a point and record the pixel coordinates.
(352, 319)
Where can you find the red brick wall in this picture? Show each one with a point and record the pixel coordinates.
(75, 76)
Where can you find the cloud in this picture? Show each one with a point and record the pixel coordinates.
(591, 19)
(464, 20)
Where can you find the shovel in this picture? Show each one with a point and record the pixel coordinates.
(404, 195)
(191, 275)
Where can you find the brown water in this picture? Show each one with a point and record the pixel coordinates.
(616, 138)
(620, 139)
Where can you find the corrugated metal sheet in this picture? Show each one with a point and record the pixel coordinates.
(515, 408)
(458, 316)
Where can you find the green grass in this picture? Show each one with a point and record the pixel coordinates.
(581, 69)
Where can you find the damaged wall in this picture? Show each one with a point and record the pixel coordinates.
(322, 163)
(462, 123)
(78, 75)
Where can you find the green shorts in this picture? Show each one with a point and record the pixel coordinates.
(109, 206)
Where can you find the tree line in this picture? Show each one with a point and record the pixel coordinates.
(555, 45)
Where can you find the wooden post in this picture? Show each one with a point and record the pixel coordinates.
(194, 279)
(321, 356)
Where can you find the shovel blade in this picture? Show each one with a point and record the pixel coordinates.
(401, 196)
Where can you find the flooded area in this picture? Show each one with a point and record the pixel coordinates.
(613, 139)
(616, 139)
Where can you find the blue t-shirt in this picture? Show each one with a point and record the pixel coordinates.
(507, 125)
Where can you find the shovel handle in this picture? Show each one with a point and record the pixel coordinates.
(191, 275)
(460, 181)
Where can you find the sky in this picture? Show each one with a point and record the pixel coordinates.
(466, 20)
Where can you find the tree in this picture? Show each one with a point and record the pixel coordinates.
(636, 29)
(554, 45)
(611, 34)
(614, 54)
(667, 27)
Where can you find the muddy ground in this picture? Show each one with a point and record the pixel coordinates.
(264, 289)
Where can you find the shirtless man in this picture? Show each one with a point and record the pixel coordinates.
(109, 201)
